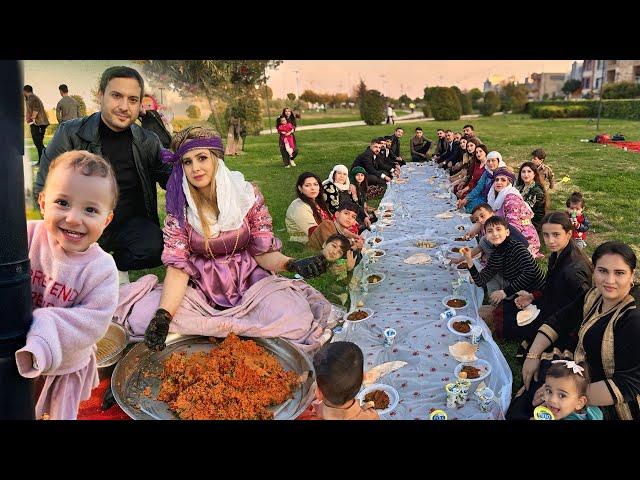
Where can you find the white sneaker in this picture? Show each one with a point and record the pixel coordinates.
(123, 277)
(287, 166)
(292, 163)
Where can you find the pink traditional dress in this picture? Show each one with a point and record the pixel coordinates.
(510, 205)
(228, 291)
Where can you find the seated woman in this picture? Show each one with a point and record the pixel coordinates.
(607, 323)
(307, 211)
(533, 191)
(460, 182)
(507, 202)
(335, 189)
(220, 253)
(478, 169)
(568, 276)
(479, 194)
(459, 170)
(358, 189)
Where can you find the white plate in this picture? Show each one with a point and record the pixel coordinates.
(394, 397)
(481, 364)
(449, 297)
(381, 275)
(460, 318)
(371, 240)
(444, 215)
(371, 252)
(364, 309)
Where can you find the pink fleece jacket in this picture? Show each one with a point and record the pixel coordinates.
(74, 296)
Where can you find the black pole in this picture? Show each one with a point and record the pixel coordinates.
(266, 95)
(16, 392)
(600, 102)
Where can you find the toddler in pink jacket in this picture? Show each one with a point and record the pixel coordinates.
(74, 283)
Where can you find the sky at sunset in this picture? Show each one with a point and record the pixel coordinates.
(392, 77)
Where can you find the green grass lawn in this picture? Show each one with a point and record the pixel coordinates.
(311, 117)
(607, 176)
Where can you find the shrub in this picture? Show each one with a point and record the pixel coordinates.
(372, 111)
(83, 106)
(465, 103)
(621, 90)
(445, 104)
(621, 109)
(193, 111)
(557, 111)
(490, 105)
(426, 109)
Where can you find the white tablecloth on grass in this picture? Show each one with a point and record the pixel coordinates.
(409, 299)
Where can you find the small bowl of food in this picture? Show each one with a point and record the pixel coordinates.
(358, 315)
(461, 325)
(461, 228)
(476, 371)
(385, 397)
(375, 240)
(376, 253)
(375, 278)
(455, 302)
(455, 250)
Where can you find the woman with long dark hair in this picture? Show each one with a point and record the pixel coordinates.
(307, 211)
(533, 191)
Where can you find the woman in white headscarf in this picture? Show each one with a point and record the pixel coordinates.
(220, 254)
(335, 189)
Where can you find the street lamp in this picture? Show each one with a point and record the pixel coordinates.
(600, 101)
(297, 72)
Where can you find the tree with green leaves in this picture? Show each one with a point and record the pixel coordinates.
(265, 92)
(373, 111)
(513, 97)
(310, 96)
(193, 111)
(475, 94)
(291, 96)
(81, 105)
(465, 103)
(444, 104)
(404, 99)
(571, 86)
(621, 90)
(226, 81)
(361, 89)
(491, 104)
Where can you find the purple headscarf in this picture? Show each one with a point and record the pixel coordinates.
(176, 201)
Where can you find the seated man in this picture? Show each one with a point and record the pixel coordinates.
(367, 160)
(441, 145)
(419, 146)
(387, 161)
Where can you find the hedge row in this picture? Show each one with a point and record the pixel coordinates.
(622, 109)
(553, 111)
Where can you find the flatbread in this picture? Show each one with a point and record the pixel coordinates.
(372, 375)
(444, 215)
(418, 259)
(464, 351)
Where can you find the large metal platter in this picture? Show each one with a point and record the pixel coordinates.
(141, 368)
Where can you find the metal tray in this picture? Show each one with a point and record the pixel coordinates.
(141, 368)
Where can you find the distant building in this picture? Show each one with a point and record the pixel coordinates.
(541, 86)
(592, 77)
(576, 72)
(622, 71)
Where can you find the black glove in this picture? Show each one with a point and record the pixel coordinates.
(308, 267)
(157, 331)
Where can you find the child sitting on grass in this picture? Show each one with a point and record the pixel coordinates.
(575, 209)
(544, 170)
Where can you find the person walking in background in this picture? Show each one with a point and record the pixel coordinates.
(67, 108)
(36, 117)
(390, 115)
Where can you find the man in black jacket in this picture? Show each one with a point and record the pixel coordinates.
(134, 236)
(367, 160)
(395, 144)
(441, 145)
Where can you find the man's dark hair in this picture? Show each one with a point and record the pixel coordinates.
(469, 126)
(399, 128)
(374, 140)
(481, 206)
(495, 221)
(348, 205)
(448, 131)
(539, 153)
(418, 128)
(120, 72)
(63, 88)
(339, 371)
(439, 130)
(28, 89)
